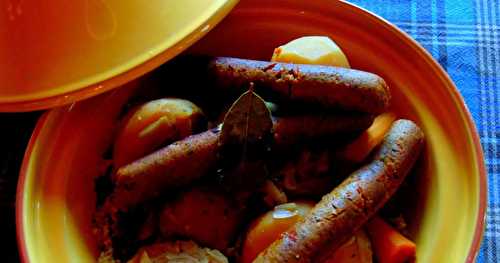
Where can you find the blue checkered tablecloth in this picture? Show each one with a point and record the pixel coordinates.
(464, 37)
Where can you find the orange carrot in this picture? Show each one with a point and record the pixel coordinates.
(361, 147)
(389, 245)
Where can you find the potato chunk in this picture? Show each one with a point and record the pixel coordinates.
(205, 216)
(152, 125)
(317, 50)
(179, 251)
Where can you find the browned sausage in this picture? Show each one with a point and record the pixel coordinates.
(175, 165)
(291, 129)
(328, 86)
(184, 161)
(342, 212)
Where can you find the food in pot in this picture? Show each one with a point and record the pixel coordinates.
(291, 162)
(318, 50)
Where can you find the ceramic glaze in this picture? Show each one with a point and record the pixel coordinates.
(446, 216)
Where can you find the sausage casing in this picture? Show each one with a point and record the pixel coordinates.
(173, 166)
(343, 211)
(328, 86)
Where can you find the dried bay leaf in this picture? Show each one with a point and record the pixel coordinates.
(248, 120)
(244, 142)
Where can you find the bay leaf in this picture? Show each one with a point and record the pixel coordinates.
(248, 120)
(244, 141)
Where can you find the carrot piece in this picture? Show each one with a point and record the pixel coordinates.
(388, 244)
(361, 147)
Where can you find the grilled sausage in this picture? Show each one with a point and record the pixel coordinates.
(327, 86)
(175, 165)
(343, 211)
(184, 161)
(291, 129)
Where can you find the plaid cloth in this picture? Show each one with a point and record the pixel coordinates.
(464, 37)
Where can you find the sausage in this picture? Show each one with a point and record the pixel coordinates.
(290, 129)
(173, 166)
(343, 211)
(327, 86)
(182, 162)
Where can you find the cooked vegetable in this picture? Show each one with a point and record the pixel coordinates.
(356, 250)
(325, 86)
(272, 194)
(360, 148)
(267, 228)
(175, 165)
(176, 252)
(342, 212)
(315, 127)
(318, 50)
(389, 245)
(155, 124)
(203, 215)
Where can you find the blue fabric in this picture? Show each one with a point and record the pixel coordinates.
(464, 37)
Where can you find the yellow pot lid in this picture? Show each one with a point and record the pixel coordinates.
(56, 53)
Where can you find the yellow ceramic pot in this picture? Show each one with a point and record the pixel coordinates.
(54, 53)
(56, 197)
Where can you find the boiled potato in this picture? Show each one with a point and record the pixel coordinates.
(203, 215)
(176, 252)
(318, 50)
(267, 228)
(153, 124)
